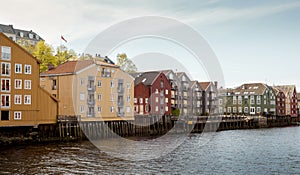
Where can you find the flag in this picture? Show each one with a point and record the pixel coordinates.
(63, 38)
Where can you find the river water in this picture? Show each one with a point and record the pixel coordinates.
(257, 151)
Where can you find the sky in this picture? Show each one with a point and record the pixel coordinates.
(254, 41)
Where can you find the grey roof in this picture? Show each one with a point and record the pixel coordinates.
(251, 89)
(147, 78)
(7, 29)
(11, 30)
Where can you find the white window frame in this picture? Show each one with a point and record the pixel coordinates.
(156, 108)
(99, 97)
(135, 100)
(3, 51)
(258, 100)
(141, 100)
(17, 115)
(99, 83)
(9, 69)
(167, 91)
(19, 101)
(9, 85)
(128, 110)
(99, 109)
(82, 96)
(20, 84)
(26, 70)
(128, 98)
(246, 110)
(112, 109)
(5, 95)
(82, 109)
(234, 100)
(166, 108)
(27, 84)
(18, 68)
(28, 102)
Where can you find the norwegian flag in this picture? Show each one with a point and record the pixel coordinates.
(63, 38)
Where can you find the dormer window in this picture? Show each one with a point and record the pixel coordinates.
(30, 35)
(21, 34)
(37, 37)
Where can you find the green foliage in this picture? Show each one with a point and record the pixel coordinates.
(44, 53)
(125, 63)
(26, 45)
(63, 54)
(176, 112)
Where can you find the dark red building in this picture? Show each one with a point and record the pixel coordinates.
(152, 94)
(280, 102)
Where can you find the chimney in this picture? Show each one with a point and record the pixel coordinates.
(50, 66)
(216, 84)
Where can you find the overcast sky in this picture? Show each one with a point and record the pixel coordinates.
(255, 41)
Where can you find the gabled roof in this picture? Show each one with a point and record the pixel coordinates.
(287, 89)
(103, 63)
(7, 29)
(69, 67)
(204, 85)
(277, 90)
(251, 89)
(147, 78)
(194, 83)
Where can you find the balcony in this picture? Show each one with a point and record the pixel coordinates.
(90, 114)
(91, 88)
(91, 102)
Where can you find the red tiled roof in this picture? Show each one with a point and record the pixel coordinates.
(69, 67)
(204, 85)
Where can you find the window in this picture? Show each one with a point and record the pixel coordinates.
(27, 99)
(5, 100)
(30, 35)
(18, 99)
(5, 85)
(146, 100)
(258, 100)
(167, 92)
(27, 84)
(18, 84)
(239, 100)
(252, 110)
(18, 68)
(156, 108)
(141, 100)
(135, 100)
(229, 109)
(245, 109)
(252, 99)
(234, 109)
(53, 84)
(128, 98)
(128, 85)
(99, 108)
(111, 109)
(99, 97)
(112, 84)
(82, 96)
(156, 91)
(27, 69)
(161, 84)
(111, 97)
(17, 115)
(234, 100)
(166, 100)
(258, 109)
(99, 83)
(82, 81)
(240, 110)
(5, 53)
(166, 108)
(156, 99)
(82, 109)
(220, 101)
(5, 69)
(128, 109)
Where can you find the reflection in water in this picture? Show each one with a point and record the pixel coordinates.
(261, 151)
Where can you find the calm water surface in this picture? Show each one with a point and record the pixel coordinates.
(261, 151)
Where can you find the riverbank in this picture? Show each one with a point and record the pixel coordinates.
(73, 130)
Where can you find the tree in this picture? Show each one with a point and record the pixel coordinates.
(26, 45)
(176, 112)
(125, 63)
(44, 53)
(63, 54)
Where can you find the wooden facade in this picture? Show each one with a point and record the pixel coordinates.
(23, 102)
(93, 90)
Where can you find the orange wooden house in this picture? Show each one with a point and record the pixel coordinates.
(23, 101)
